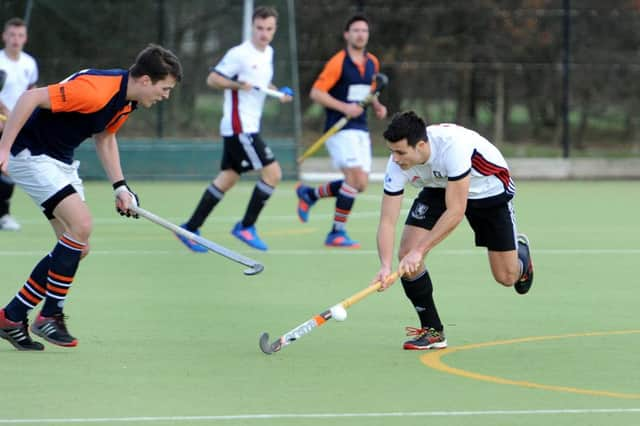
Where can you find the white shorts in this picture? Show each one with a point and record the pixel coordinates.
(350, 148)
(41, 176)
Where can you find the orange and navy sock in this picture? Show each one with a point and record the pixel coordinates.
(344, 203)
(31, 293)
(329, 189)
(211, 197)
(65, 258)
(261, 193)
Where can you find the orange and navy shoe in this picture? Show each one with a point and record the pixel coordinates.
(17, 333)
(191, 245)
(425, 338)
(249, 236)
(304, 202)
(340, 239)
(523, 285)
(53, 329)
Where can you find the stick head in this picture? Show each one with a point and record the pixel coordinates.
(267, 347)
(381, 81)
(255, 269)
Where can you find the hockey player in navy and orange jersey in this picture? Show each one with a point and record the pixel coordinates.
(36, 149)
(345, 80)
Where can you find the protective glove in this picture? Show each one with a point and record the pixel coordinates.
(120, 187)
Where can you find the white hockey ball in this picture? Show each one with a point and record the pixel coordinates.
(338, 313)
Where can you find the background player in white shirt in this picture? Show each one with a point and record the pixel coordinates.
(21, 74)
(244, 67)
(462, 174)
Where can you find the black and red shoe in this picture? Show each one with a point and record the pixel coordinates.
(425, 338)
(523, 285)
(17, 333)
(54, 330)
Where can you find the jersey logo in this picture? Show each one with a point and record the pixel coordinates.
(419, 211)
(437, 174)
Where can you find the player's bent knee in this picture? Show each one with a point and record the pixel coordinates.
(506, 278)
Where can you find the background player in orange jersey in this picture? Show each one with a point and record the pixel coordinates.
(345, 80)
(37, 148)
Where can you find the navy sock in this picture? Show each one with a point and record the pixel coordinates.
(344, 203)
(31, 293)
(329, 189)
(261, 193)
(420, 291)
(65, 258)
(212, 196)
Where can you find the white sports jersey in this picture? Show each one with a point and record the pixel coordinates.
(455, 152)
(243, 109)
(20, 75)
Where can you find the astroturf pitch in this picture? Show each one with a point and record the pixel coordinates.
(171, 337)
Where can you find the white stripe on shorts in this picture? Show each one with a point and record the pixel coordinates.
(247, 144)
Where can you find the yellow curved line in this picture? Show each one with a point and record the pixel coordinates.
(433, 360)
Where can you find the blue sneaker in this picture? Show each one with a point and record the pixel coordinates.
(304, 202)
(191, 245)
(248, 235)
(340, 239)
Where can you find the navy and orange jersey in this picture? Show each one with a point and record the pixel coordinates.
(88, 102)
(349, 82)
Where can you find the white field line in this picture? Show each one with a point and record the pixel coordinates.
(334, 252)
(331, 252)
(587, 411)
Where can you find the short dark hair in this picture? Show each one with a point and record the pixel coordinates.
(15, 22)
(264, 12)
(355, 18)
(156, 62)
(406, 125)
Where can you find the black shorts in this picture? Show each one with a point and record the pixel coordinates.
(494, 226)
(245, 152)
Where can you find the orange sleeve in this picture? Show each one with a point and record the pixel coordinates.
(119, 119)
(85, 93)
(376, 62)
(330, 73)
(376, 67)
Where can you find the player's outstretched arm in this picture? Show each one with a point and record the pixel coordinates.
(389, 213)
(109, 155)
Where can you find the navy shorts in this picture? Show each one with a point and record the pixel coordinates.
(494, 226)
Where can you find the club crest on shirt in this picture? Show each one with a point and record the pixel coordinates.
(419, 211)
(437, 174)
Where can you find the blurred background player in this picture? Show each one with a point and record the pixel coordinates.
(37, 148)
(21, 74)
(460, 173)
(243, 67)
(345, 80)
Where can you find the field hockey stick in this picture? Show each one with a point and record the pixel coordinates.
(254, 266)
(318, 320)
(271, 92)
(381, 82)
(3, 80)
